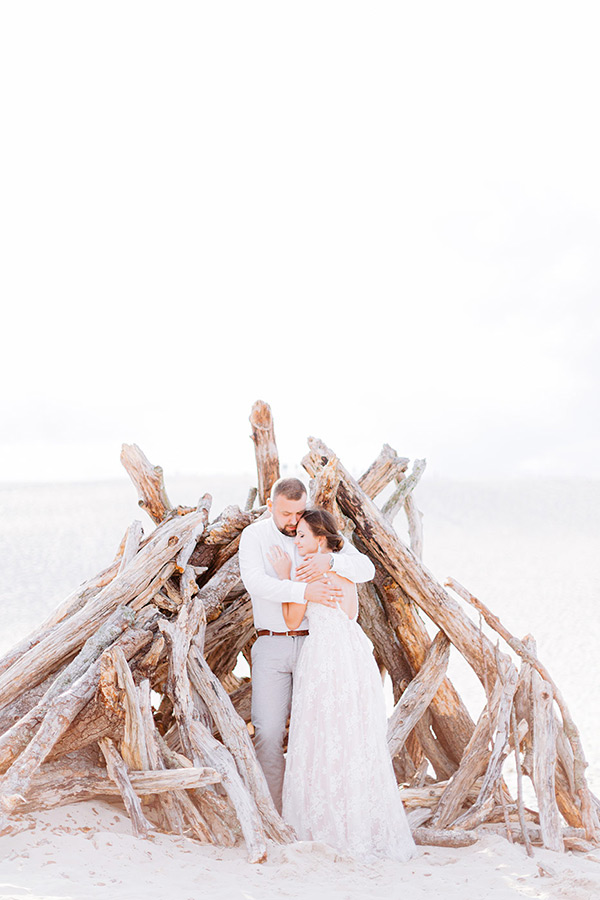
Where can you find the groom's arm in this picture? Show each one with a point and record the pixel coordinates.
(262, 586)
(255, 578)
(347, 562)
(350, 563)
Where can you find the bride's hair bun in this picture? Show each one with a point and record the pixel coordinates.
(323, 524)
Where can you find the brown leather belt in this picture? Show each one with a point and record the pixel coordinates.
(282, 633)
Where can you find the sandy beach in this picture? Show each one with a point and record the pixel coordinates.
(87, 852)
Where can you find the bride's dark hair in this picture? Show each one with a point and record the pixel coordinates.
(322, 524)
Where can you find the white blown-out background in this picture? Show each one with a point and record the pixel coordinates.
(383, 219)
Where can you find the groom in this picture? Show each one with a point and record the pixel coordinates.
(276, 649)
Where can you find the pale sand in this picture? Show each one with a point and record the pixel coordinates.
(87, 851)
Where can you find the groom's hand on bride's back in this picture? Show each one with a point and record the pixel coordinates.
(323, 592)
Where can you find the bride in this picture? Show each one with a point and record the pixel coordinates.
(339, 782)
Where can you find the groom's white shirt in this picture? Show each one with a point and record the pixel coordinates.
(267, 591)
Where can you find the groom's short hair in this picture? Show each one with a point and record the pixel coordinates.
(291, 488)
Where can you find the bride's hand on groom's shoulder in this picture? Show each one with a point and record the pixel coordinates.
(281, 562)
(313, 567)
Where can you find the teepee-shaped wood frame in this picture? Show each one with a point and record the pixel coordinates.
(128, 689)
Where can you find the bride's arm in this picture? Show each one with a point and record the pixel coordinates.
(322, 591)
(293, 613)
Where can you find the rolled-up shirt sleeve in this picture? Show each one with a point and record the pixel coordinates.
(353, 565)
(256, 581)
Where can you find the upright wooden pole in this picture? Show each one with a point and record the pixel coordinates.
(265, 448)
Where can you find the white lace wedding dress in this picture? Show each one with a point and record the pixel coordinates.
(339, 782)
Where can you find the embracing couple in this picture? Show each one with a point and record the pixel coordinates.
(337, 784)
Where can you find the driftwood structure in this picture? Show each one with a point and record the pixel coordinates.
(128, 689)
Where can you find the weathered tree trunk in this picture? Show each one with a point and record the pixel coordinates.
(117, 771)
(384, 545)
(403, 491)
(227, 635)
(544, 763)
(418, 695)
(451, 720)
(148, 480)
(199, 744)
(56, 785)
(437, 837)
(235, 736)
(265, 448)
(387, 467)
(485, 801)
(473, 763)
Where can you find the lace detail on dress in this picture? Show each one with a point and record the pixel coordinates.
(339, 783)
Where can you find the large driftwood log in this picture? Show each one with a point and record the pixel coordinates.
(437, 837)
(324, 489)
(235, 736)
(215, 591)
(403, 490)
(148, 480)
(451, 720)
(265, 448)
(188, 548)
(220, 540)
(133, 539)
(475, 759)
(228, 635)
(199, 744)
(140, 750)
(374, 620)
(11, 713)
(387, 467)
(384, 545)
(62, 784)
(419, 693)
(428, 795)
(485, 801)
(117, 770)
(544, 763)
(210, 816)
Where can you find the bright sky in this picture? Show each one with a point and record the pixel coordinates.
(382, 218)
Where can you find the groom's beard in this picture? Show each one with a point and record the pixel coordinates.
(288, 530)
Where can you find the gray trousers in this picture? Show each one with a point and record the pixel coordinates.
(274, 660)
